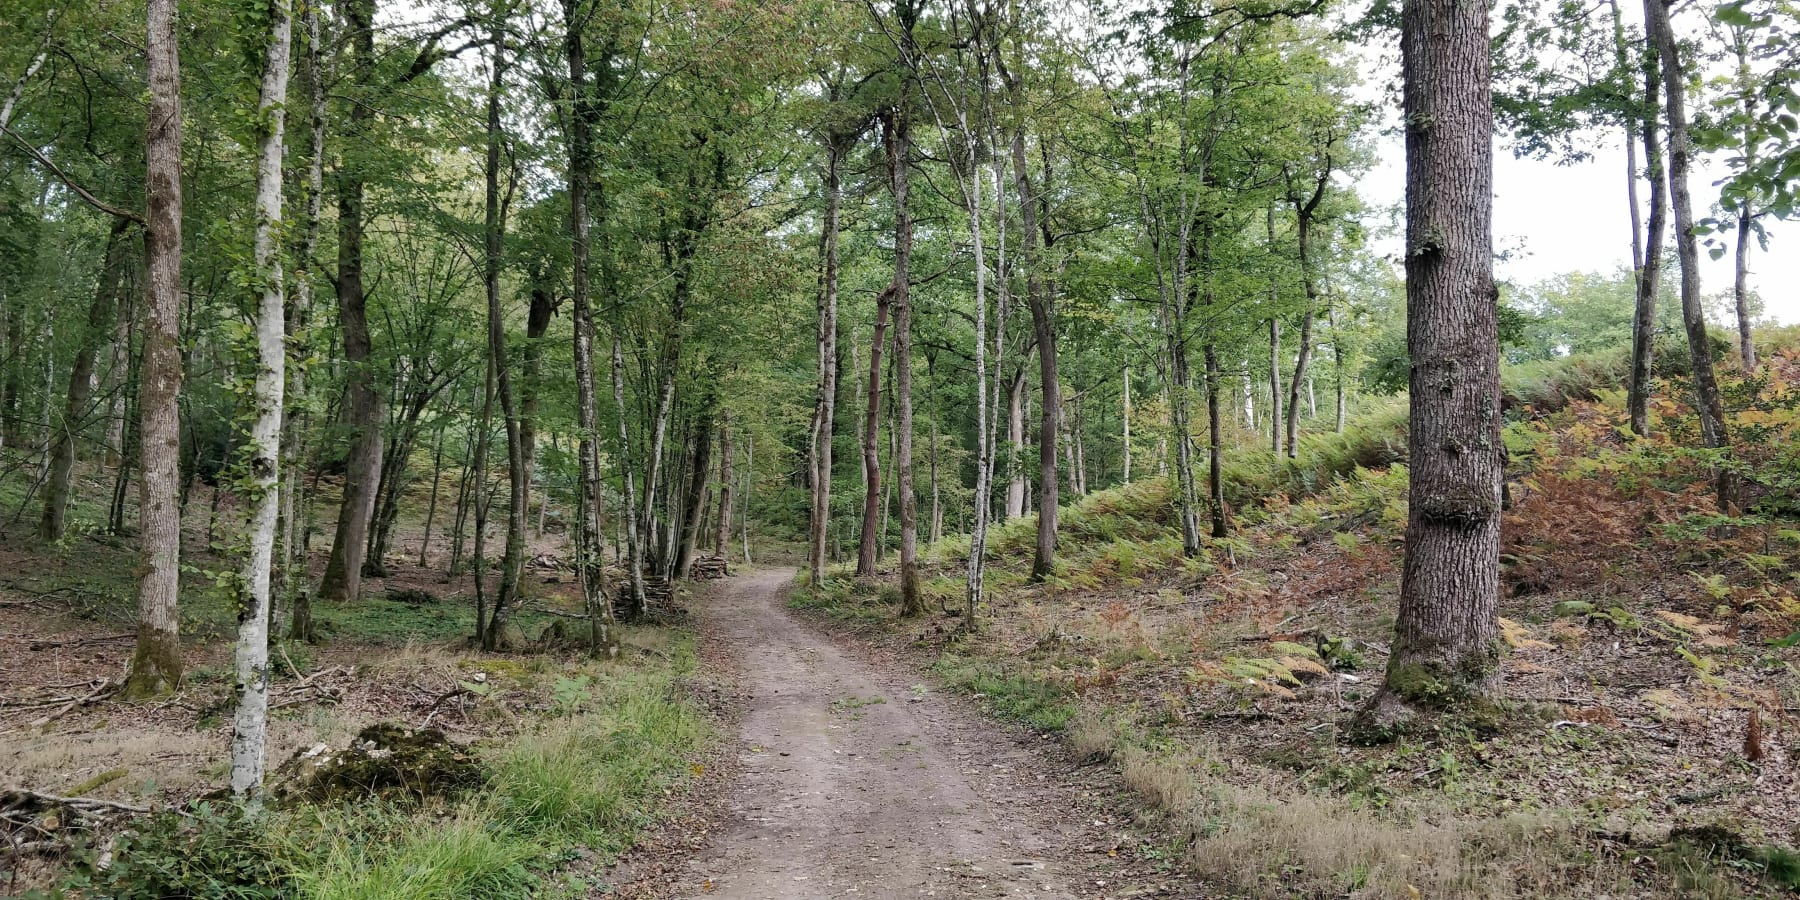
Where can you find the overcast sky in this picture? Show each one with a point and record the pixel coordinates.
(1568, 218)
(1574, 218)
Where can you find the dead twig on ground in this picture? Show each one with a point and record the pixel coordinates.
(106, 689)
(432, 712)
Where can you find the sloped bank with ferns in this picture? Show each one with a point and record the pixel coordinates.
(1647, 746)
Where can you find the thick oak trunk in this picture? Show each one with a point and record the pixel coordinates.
(1446, 644)
(156, 663)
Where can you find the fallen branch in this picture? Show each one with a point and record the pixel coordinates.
(79, 642)
(105, 689)
(432, 712)
(12, 798)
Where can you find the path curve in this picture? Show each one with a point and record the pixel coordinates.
(856, 783)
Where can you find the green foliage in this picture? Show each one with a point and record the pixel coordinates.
(593, 778)
(214, 852)
(1025, 698)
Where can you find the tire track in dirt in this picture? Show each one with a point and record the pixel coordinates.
(854, 782)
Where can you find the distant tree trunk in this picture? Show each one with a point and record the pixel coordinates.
(749, 483)
(128, 437)
(362, 473)
(1274, 378)
(1015, 444)
(465, 490)
(634, 538)
(1446, 644)
(1746, 214)
(1042, 305)
(13, 387)
(824, 423)
(262, 452)
(1306, 208)
(481, 500)
(722, 533)
(1622, 56)
(1649, 283)
(693, 499)
(101, 312)
(292, 567)
(518, 472)
(1707, 402)
(985, 411)
(1174, 291)
(871, 450)
(899, 141)
(590, 559)
(937, 503)
(156, 663)
(1337, 363)
(437, 476)
(1125, 419)
(537, 325)
(1221, 521)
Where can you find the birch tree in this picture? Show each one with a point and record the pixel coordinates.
(262, 449)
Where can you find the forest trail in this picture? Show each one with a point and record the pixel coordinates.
(856, 783)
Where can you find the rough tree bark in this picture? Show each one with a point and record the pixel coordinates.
(156, 663)
(899, 145)
(1446, 643)
(261, 479)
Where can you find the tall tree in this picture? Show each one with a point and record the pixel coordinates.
(1707, 402)
(1649, 281)
(1447, 633)
(585, 109)
(512, 565)
(261, 478)
(365, 411)
(899, 157)
(156, 663)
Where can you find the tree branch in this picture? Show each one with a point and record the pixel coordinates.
(68, 182)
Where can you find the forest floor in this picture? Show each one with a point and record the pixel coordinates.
(579, 759)
(1648, 739)
(855, 778)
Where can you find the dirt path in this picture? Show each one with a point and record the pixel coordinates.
(857, 782)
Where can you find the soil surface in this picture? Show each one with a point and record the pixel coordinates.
(855, 780)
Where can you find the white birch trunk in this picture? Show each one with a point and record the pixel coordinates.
(263, 452)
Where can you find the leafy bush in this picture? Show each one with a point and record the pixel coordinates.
(216, 852)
